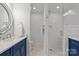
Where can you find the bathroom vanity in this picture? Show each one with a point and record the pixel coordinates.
(13, 47)
(73, 46)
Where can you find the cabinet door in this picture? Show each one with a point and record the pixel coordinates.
(73, 47)
(19, 49)
(22, 51)
(6, 53)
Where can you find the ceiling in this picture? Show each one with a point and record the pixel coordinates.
(53, 7)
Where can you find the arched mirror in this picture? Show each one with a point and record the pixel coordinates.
(6, 18)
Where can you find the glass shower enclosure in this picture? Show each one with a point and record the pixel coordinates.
(51, 26)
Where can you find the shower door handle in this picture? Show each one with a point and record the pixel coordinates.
(43, 29)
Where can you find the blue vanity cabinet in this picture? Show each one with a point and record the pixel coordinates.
(6, 53)
(18, 49)
(73, 47)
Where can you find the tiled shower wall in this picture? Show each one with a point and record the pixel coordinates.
(72, 30)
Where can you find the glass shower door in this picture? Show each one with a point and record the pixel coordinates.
(55, 29)
(36, 29)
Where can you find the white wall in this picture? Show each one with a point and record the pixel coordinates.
(21, 12)
(71, 23)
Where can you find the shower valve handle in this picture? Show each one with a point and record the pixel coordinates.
(43, 29)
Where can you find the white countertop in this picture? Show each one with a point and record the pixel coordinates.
(74, 37)
(8, 43)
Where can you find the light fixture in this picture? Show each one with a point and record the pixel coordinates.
(69, 12)
(34, 8)
(57, 7)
